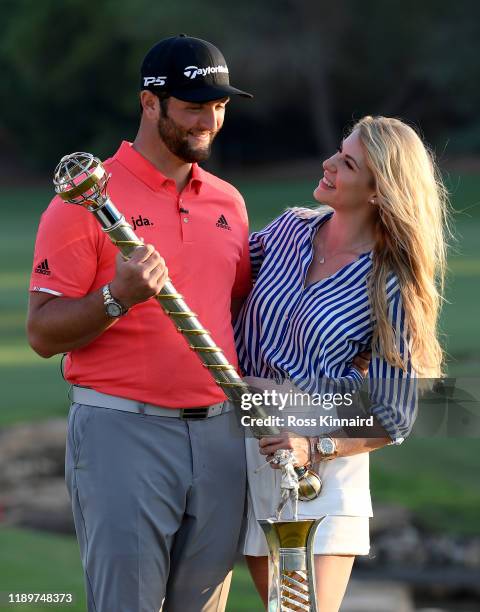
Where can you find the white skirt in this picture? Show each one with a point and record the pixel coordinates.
(344, 499)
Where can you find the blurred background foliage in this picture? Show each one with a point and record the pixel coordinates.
(70, 72)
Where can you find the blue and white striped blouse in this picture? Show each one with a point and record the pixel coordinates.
(311, 334)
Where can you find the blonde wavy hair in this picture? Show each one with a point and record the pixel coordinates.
(411, 239)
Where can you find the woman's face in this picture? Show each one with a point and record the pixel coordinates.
(347, 182)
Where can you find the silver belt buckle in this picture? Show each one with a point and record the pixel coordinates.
(196, 414)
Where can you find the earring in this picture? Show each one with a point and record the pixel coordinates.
(372, 201)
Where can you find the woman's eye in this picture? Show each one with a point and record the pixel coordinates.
(347, 163)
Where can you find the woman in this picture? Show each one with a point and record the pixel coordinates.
(363, 274)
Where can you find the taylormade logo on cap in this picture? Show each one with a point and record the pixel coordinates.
(192, 72)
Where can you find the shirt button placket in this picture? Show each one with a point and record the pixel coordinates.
(186, 226)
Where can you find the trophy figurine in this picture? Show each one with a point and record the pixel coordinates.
(289, 483)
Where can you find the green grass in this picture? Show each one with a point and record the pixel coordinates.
(437, 478)
(37, 562)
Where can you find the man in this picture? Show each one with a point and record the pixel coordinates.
(155, 463)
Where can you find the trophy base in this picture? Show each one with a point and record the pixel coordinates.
(291, 575)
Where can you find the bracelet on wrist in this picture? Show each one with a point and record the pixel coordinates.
(313, 444)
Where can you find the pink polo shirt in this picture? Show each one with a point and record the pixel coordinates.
(202, 233)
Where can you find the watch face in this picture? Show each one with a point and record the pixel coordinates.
(327, 446)
(113, 309)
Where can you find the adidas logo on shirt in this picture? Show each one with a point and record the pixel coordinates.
(223, 223)
(43, 268)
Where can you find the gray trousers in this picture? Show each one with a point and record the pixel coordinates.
(158, 504)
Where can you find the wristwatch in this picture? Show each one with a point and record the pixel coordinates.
(113, 308)
(326, 448)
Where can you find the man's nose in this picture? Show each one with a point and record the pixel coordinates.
(208, 119)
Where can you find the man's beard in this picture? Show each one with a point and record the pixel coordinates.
(175, 139)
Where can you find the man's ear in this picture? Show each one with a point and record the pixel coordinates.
(150, 104)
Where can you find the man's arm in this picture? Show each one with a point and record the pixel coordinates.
(61, 324)
(57, 324)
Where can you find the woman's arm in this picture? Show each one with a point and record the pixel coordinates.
(301, 445)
